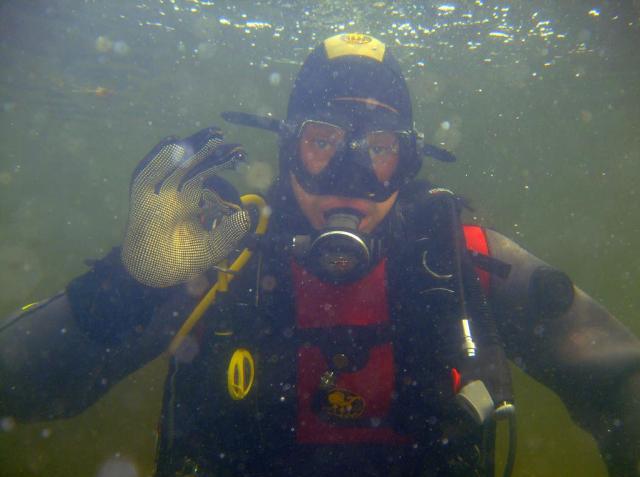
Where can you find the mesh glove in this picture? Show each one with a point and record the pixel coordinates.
(178, 225)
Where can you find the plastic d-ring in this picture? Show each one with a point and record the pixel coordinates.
(240, 374)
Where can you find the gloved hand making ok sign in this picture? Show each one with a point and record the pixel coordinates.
(183, 218)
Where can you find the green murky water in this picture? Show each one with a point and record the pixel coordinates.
(539, 100)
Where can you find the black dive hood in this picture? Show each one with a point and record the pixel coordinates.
(285, 128)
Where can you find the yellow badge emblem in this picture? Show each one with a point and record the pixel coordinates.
(356, 38)
(343, 404)
(240, 374)
(356, 44)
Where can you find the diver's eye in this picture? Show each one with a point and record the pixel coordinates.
(383, 150)
(321, 143)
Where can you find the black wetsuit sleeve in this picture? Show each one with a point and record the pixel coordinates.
(109, 305)
(60, 356)
(575, 347)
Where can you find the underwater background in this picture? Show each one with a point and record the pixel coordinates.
(539, 100)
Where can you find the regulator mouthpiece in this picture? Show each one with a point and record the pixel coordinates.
(338, 253)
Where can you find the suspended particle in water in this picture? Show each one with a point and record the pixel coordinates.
(274, 79)
(103, 44)
(206, 50)
(539, 330)
(197, 286)
(188, 349)
(448, 135)
(120, 48)
(259, 175)
(6, 178)
(268, 283)
(118, 466)
(7, 424)
(8, 107)
(586, 116)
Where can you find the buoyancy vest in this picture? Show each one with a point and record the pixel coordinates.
(389, 343)
(345, 370)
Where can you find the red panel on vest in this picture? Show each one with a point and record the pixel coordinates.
(324, 305)
(476, 240)
(374, 383)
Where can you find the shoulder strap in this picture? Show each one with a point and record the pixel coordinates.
(485, 264)
(476, 240)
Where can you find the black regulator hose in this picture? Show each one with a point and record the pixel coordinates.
(459, 249)
(472, 296)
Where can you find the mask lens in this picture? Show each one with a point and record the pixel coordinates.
(319, 143)
(383, 148)
(332, 160)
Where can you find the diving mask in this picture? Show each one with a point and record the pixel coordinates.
(328, 159)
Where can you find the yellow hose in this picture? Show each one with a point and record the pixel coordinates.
(223, 277)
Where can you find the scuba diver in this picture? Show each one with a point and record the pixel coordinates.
(349, 325)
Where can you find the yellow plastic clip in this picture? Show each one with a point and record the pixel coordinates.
(240, 374)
